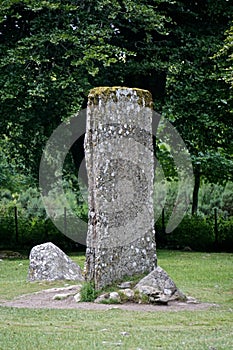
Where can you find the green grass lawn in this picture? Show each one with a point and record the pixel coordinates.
(208, 277)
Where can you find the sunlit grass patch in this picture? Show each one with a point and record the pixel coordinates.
(205, 276)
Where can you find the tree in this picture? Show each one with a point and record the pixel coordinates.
(53, 52)
(10, 178)
(200, 105)
(224, 58)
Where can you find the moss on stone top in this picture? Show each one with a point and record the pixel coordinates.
(104, 92)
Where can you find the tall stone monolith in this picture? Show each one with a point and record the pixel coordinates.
(120, 168)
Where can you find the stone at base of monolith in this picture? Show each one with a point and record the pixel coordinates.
(158, 286)
(50, 263)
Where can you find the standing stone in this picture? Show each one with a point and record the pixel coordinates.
(50, 263)
(120, 167)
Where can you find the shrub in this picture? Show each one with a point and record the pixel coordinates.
(194, 232)
(88, 292)
(225, 235)
(7, 231)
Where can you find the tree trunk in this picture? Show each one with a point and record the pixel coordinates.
(197, 175)
(77, 151)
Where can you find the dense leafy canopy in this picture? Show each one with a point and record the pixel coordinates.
(224, 57)
(53, 52)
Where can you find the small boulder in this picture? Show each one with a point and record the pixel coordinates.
(125, 285)
(50, 263)
(114, 296)
(9, 254)
(126, 294)
(77, 297)
(191, 300)
(61, 296)
(108, 298)
(102, 298)
(187, 249)
(159, 287)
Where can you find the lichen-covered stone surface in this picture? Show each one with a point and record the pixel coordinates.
(120, 167)
(50, 263)
(159, 287)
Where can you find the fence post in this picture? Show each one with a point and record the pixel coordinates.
(16, 225)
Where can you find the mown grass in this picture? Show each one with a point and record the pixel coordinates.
(13, 278)
(207, 277)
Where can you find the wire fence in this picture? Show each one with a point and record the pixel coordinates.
(215, 225)
(27, 226)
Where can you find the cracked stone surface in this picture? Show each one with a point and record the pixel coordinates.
(50, 263)
(158, 286)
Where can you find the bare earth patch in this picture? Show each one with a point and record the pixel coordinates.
(44, 299)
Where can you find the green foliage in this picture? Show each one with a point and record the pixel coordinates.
(88, 292)
(7, 231)
(193, 232)
(11, 178)
(224, 58)
(196, 101)
(34, 226)
(122, 296)
(165, 193)
(53, 52)
(141, 298)
(198, 232)
(225, 235)
(216, 196)
(227, 200)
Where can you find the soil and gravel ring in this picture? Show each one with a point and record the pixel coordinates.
(44, 300)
